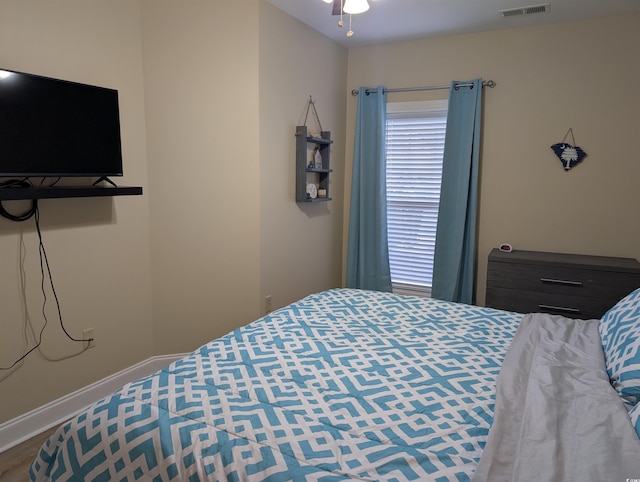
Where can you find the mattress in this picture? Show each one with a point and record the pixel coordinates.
(341, 385)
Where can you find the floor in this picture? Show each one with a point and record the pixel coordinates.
(15, 462)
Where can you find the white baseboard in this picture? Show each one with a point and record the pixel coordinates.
(19, 429)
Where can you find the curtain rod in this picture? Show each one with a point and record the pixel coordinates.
(486, 83)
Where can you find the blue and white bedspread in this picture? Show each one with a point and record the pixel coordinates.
(344, 384)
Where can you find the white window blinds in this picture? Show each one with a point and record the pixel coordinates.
(415, 147)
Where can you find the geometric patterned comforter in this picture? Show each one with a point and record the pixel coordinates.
(341, 385)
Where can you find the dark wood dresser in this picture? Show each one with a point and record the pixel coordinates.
(573, 285)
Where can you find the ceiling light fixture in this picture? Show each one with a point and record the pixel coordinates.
(353, 7)
(350, 7)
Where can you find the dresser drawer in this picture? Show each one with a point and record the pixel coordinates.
(576, 286)
(568, 281)
(570, 306)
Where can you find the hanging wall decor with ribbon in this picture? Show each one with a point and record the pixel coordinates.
(311, 104)
(569, 154)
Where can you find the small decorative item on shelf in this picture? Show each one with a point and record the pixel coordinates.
(569, 155)
(322, 193)
(317, 158)
(312, 191)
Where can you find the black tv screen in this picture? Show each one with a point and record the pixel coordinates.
(57, 128)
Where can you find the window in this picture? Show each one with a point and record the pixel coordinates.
(415, 147)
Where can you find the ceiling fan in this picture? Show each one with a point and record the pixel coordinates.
(349, 7)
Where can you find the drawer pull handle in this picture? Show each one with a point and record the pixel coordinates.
(563, 282)
(562, 309)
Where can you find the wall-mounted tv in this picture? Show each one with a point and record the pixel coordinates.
(57, 128)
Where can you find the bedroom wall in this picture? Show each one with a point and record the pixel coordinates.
(97, 248)
(300, 243)
(225, 229)
(204, 170)
(208, 116)
(578, 75)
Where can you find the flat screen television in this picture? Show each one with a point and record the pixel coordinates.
(57, 128)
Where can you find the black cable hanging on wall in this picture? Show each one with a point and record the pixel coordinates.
(44, 267)
(29, 212)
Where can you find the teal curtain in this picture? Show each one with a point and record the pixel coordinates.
(454, 264)
(367, 250)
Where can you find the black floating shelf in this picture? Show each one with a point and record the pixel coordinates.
(57, 192)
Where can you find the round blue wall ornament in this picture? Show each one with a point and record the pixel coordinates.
(569, 155)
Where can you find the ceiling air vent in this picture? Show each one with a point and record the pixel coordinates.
(517, 12)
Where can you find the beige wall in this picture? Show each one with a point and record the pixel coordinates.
(210, 95)
(579, 75)
(300, 243)
(97, 247)
(203, 140)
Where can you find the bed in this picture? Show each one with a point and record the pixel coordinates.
(360, 385)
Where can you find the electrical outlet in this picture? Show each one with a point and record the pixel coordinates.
(267, 304)
(89, 334)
